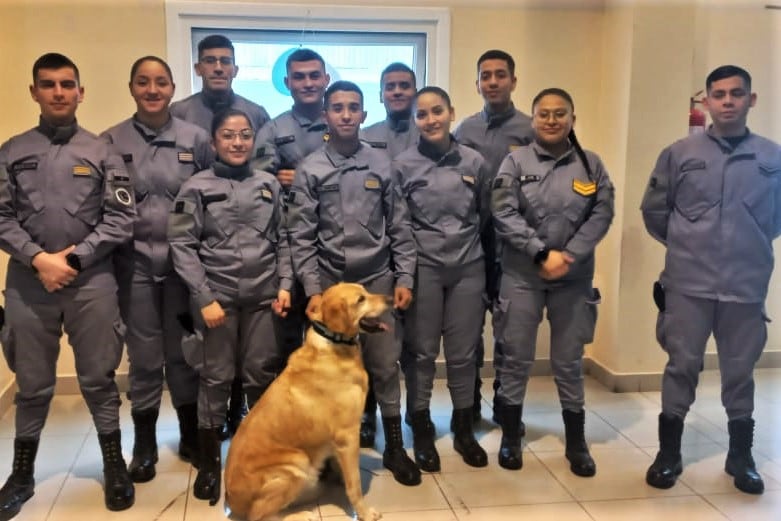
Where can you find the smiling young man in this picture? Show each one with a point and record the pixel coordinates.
(347, 221)
(217, 68)
(397, 131)
(713, 201)
(495, 131)
(65, 203)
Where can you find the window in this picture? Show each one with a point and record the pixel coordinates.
(352, 56)
(356, 43)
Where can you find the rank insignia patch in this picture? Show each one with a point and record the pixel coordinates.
(584, 189)
(81, 170)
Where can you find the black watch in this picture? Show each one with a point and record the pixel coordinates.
(73, 261)
(541, 255)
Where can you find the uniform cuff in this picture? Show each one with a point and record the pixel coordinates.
(534, 246)
(405, 280)
(29, 251)
(203, 299)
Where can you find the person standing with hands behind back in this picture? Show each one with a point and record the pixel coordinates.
(552, 202)
(714, 201)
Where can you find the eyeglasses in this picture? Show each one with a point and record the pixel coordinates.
(245, 134)
(557, 115)
(212, 60)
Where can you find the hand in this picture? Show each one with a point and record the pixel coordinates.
(53, 270)
(213, 315)
(556, 265)
(402, 298)
(285, 176)
(282, 305)
(313, 306)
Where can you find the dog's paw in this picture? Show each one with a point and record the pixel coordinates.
(370, 514)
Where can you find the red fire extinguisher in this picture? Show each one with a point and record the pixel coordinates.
(696, 116)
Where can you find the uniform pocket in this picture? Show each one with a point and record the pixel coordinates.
(86, 199)
(500, 319)
(696, 192)
(589, 319)
(192, 349)
(661, 330)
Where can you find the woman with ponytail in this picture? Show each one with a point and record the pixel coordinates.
(552, 202)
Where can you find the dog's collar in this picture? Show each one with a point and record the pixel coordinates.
(337, 338)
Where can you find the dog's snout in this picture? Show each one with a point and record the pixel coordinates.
(388, 299)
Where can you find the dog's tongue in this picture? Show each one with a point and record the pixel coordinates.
(373, 325)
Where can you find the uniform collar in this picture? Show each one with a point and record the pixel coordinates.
(314, 125)
(725, 143)
(543, 153)
(149, 134)
(496, 119)
(217, 101)
(399, 123)
(58, 135)
(333, 336)
(450, 158)
(231, 172)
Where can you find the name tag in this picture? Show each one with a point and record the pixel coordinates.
(328, 188)
(284, 140)
(26, 165)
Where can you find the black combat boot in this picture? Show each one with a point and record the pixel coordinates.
(740, 464)
(237, 410)
(142, 466)
(20, 485)
(119, 492)
(668, 465)
(423, 435)
(580, 461)
(510, 450)
(188, 432)
(395, 457)
(369, 419)
(464, 439)
(208, 481)
(497, 414)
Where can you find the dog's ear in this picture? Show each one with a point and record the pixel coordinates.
(337, 317)
(314, 311)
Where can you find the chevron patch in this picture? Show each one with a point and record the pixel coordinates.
(584, 189)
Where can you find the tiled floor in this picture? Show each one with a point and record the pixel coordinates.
(621, 429)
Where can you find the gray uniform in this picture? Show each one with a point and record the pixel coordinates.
(391, 135)
(539, 201)
(287, 139)
(716, 206)
(61, 187)
(494, 136)
(445, 195)
(201, 107)
(227, 244)
(347, 221)
(151, 295)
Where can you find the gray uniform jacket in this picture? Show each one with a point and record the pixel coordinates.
(287, 139)
(539, 201)
(495, 135)
(392, 136)
(158, 162)
(56, 192)
(225, 229)
(446, 200)
(717, 209)
(347, 217)
(200, 108)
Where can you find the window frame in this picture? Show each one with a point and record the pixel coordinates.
(184, 15)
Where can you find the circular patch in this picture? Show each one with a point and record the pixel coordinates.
(123, 196)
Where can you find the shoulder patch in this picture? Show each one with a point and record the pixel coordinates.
(468, 179)
(266, 194)
(81, 170)
(123, 197)
(185, 157)
(372, 183)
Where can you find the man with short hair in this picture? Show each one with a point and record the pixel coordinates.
(397, 131)
(66, 201)
(282, 143)
(347, 221)
(217, 68)
(714, 202)
(495, 131)
(393, 135)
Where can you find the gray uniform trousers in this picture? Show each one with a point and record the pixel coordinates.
(34, 323)
(517, 315)
(448, 305)
(154, 338)
(381, 351)
(246, 346)
(683, 329)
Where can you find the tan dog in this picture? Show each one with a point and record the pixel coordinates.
(310, 413)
